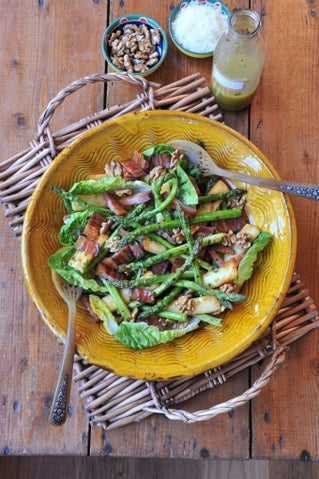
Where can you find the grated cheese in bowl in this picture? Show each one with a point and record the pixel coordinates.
(196, 26)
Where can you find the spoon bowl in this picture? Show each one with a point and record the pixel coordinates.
(198, 156)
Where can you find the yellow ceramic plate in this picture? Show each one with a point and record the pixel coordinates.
(199, 350)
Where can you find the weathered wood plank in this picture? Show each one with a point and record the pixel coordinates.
(46, 46)
(284, 125)
(225, 436)
(132, 468)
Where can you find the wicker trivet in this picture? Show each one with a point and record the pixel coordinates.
(20, 174)
(112, 401)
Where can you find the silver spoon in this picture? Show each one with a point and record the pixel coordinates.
(70, 294)
(199, 157)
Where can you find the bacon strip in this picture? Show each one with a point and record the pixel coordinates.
(135, 167)
(114, 205)
(87, 245)
(108, 273)
(160, 159)
(233, 224)
(136, 199)
(124, 255)
(144, 295)
(93, 226)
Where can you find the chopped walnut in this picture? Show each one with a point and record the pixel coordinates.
(229, 288)
(105, 226)
(113, 244)
(178, 236)
(185, 304)
(135, 48)
(113, 168)
(230, 239)
(243, 241)
(123, 193)
(156, 172)
(236, 202)
(240, 239)
(176, 156)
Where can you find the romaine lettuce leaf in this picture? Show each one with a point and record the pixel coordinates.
(186, 191)
(59, 262)
(103, 312)
(142, 335)
(246, 266)
(136, 335)
(70, 231)
(161, 148)
(88, 187)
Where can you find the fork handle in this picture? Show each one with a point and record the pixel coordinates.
(306, 191)
(60, 403)
(298, 189)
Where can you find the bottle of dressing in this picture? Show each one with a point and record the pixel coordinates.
(238, 61)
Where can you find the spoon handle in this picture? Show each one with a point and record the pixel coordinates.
(298, 189)
(59, 407)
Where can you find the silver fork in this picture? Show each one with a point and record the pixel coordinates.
(59, 407)
(199, 157)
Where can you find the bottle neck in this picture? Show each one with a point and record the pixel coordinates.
(245, 24)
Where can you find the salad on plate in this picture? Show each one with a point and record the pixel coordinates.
(159, 249)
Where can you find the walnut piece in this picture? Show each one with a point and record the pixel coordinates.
(113, 244)
(178, 236)
(135, 48)
(185, 304)
(156, 172)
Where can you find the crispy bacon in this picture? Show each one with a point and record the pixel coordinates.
(144, 295)
(233, 224)
(223, 249)
(114, 205)
(160, 159)
(108, 273)
(135, 167)
(87, 245)
(124, 255)
(202, 231)
(160, 268)
(177, 263)
(136, 199)
(93, 226)
(137, 250)
(188, 210)
(213, 255)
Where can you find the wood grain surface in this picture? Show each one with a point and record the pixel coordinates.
(47, 45)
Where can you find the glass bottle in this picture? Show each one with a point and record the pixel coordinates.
(238, 61)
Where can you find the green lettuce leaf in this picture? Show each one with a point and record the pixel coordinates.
(246, 266)
(161, 148)
(89, 187)
(186, 191)
(59, 262)
(70, 231)
(103, 312)
(142, 335)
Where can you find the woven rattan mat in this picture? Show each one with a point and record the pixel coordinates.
(109, 400)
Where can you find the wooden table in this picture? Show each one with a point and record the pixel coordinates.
(45, 46)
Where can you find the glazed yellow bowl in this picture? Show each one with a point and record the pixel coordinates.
(199, 350)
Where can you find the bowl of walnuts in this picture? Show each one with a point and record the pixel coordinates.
(134, 44)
